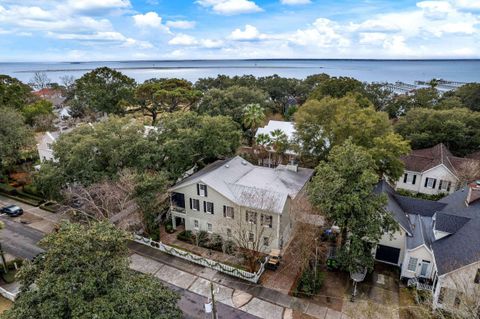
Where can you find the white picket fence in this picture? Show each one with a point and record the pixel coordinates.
(227, 269)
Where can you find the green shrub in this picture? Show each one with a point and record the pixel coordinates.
(202, 238)
(215, 242)
(308, 285)
(7, 189)
(31, 189)
(186, 236)
(408, 193)
(228, 247)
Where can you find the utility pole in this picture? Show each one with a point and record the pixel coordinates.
(214, 307)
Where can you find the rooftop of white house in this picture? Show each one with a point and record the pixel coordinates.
(286, 127)
(251, 186)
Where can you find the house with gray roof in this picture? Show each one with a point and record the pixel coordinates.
(438, 245)
(434, 170)
(236, 198)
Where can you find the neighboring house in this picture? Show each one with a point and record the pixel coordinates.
(433, 171)
(227, 194)
(44, 146)
(55, 96)
(438, 242)
(288, 129)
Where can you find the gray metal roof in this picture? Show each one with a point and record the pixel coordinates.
(249, 185)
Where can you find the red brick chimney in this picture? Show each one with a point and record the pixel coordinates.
(473, 192)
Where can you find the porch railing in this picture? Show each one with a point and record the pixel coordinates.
(224, 268)
(419, 285)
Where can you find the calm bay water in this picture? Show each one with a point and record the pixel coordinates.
(365, 70)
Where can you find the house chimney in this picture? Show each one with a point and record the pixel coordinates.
(292, 166)
(473, 192)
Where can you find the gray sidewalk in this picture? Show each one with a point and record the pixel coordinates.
(252, 298)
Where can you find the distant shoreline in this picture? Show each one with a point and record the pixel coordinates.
(232, 60)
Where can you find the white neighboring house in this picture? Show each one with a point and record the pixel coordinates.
(288, 129)
(438, 245)
(432, 171)
(218, 197)
(44, 146)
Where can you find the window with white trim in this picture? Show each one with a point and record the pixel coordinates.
(445, 185)
(194, 204)
(202, 190)
(195, 224)
(228, 212)
(266, 220)
(409, 178)
(209, 227)
(251, 237)
(251, 217)
(209, 207)
(430, 182)
(229, 232)
(412, 264)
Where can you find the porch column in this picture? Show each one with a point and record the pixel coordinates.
(174, 224)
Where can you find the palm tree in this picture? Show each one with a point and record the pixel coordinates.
(253, 116)
(262, 145)
(279, 143)
(2, 255)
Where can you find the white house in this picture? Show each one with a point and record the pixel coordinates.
(438, 245)
(44, 146)
(235, 198)
(432, 171)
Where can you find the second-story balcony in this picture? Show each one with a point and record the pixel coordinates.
(177, 209)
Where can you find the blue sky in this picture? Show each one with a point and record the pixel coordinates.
(86, 30)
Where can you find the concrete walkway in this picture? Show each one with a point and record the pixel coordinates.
(251, 298)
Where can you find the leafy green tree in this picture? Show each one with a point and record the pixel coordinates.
(342, 189)
(15, 136)
(84, 273)
(458, 129)
(102, 90)
(337, 88)
(189, 139)
(282, 91)
(380, 96)
(32, 111)
(469, 94)
(14, 93)
(165, 95)
(231, 101)
(321, 125)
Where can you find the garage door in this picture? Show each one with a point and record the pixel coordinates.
(387, 254)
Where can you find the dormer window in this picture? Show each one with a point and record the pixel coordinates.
(202, 190)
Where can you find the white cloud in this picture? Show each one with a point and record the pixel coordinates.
(231, 7)
(181, 24)
(248, 34)
(103, 37)
(372, 37)
(183, 40)
(467, 4)
(323, 33)
(294, 2)
(148, 20)
(211, 44)
(97, 7)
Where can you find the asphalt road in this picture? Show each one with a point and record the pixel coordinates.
(20, 240)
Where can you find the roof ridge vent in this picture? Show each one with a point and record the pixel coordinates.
(227, 166)
(244, 162)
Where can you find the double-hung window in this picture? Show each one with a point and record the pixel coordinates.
(251, 237)
(195, 224)
(409, 178)
(209, 227)
(430, 182)
(266, 241)
(228, 212)
(412, 264)
(208, 207)
(202, 190)
(251, 217)
(445, 185)
(194, 204)
(266, 220)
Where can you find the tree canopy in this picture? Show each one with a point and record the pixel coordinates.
(165, 95)
(323, 124)
(84, 273)
(14, 93)
(33, 111)
(342, 189)
(102, 90)
(458, 129)
(15, 136)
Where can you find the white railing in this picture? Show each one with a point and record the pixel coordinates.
(420, 286)
(7, 294)
(227, 269)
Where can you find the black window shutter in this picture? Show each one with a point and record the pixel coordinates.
(434, 183)
(426, 182)
(440, 184)
(206, 191)
(213, 206)
(198, 189)
(224, 211)
(190, 203)
(233, 213)
(204, 206)
(405, 177)
(414, 179)
(448, 186)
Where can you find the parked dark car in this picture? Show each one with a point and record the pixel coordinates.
(12, 210)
